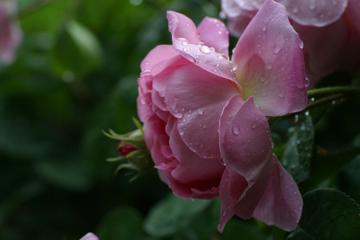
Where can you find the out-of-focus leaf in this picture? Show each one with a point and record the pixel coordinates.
(234, 229)
(298, 150)
(69, 174)
(328, 166)
(172, 215)
(46, 19)
(299, 234)
(329, 214)
(121, 223)
(350, 178)
(18, 137)
(76, 51)
(203, 226)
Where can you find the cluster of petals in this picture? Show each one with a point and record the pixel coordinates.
(204, 114)
(10, 34)
(330, 30)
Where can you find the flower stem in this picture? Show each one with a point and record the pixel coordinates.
(333, 90)
(324, 96)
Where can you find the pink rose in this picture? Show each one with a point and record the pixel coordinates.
(330, 30)
(89, 236)
(204, 115)
(10, 34)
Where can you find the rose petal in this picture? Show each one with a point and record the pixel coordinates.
(182, 27)
(245, 139)
(89, 236)
(281, 204)
(232, 186)
(249, 4)
(159, 59)
(353, 13)
(270, 62)
(237, 25)
(317, 13)
(190, 166)
(11, 35)
(246, 148)
(214, 34)
(323, 48)
(196, 97)
(186, 40)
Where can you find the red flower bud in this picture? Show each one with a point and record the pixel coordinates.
(125, 149)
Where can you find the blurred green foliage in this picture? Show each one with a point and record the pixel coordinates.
(76, 75)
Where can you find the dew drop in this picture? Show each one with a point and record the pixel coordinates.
(236, 131)
(312, 6)
(205, 49)
(277, 49)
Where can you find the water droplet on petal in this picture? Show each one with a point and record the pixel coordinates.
(205, 49)
(312, 6)
(236, 131)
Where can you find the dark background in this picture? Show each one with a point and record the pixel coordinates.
(74, 76)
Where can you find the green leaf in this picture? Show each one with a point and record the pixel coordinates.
(172, 215)
(298, 150)
(350, 179)
(121, 223)
(328, 166)
(328, 214)
(77, 50)
(299, 234)
(68, 173)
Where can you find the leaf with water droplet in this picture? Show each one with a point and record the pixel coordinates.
(328, 214)
(299, 148)
(173, 214)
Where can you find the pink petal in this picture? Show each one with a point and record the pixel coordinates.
(232, 186)
(230, 8)
(89, 236)
(182, 27)
(159, 59)
(323, 48)
(237, 25)
(353, 13)
(281, 204)
(214, 34)
(271, 63)
(10, 36)
(245, 139)
(187, 41)
(191, 167)
(197, 97)
(249, 4)
(246, 148)
(317, 13)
